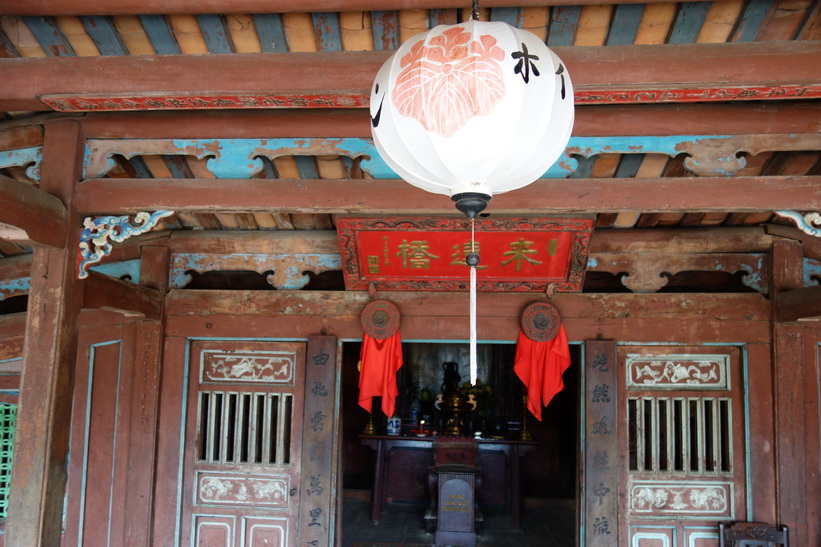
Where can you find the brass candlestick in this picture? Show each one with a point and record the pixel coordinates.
(525, 433)
(370, 429)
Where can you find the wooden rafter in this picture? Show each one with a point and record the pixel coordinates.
(130, 7)
(595, 70)
(371, 196)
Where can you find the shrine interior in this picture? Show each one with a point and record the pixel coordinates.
(231, 317)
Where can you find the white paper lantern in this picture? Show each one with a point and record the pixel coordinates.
(472, 110)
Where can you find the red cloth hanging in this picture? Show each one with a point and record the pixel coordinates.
(540, 366)
(379, 361)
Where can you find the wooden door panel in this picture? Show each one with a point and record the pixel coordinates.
(682, 442)
(243, 444)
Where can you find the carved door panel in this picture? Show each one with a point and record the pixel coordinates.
(243, 446)
(681, 443)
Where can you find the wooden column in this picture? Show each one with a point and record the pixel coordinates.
(145, 406)
(44, 415)
(791, 426)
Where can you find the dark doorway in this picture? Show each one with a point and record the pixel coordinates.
(549, 473)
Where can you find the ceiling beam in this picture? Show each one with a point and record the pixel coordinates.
(372, 196)
(167, 81)
(160, 7)
(781, 117)
(31, 215)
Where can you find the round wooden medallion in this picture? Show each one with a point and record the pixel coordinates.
(380, 319)
(541, 321)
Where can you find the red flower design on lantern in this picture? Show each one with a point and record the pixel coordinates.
(448, 83)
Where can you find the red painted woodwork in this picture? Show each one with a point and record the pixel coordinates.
(786, 117)
(42, 438)
(40, 217)
(517, 254)
(603, 70)
(374, 196)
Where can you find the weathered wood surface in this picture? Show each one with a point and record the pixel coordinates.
(106, 292)
(12, 334)
(43, 421)
(129, 7)
(791, 371)
(590, 121)
(799, 305)
(39, 217)
(762, 435)
(812, 407)
(655, 317)
(374, 196)
(594, 69)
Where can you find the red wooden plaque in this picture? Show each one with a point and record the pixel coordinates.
(517, 254)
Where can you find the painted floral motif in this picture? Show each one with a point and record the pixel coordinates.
(243, 491)
(669, 499)
(450, 82)
(243, 367)
(707, 372)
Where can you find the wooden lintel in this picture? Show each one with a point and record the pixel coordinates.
(594, 71)
(39, 217)
(159, 7)
(779, 117)
(109, 293)
(375, 196)
(799, 305)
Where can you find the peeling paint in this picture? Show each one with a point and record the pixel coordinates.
(14, 287)
(22, 157)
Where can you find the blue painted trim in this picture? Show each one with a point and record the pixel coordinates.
(9, 288)
(271, 33)
(181, 449)
(129, 268)
(564, 20)
(259, 262)
(49, 36)
(240, 158)
(811, 268)
(688, 23)
(385, 30)
(31, 157)
(326, 29)
(511, 16)
(625, 24)
(140, 168)
(751, 20)
(105, 35)
(159, 32)
(215, 33)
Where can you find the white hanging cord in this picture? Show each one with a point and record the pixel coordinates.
(472, 308)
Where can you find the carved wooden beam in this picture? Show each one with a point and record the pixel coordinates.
(645, 74)
(372, 196)
(109, 293)
(784, 117)
(30, 214)
(131, 7)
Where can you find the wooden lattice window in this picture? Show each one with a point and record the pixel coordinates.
(8, 418)
(244, 427)
(691, 435)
